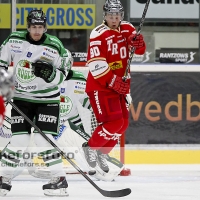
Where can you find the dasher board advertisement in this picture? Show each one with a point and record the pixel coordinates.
(165, 108)
(177, 55)
(165, 9)
(59, 16)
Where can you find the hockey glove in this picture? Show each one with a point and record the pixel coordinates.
(118, 85)
(44, 70)
(136, 41)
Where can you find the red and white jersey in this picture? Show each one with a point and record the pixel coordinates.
(108, 54)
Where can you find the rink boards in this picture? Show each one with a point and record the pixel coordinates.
(142, 152)
(157, 135)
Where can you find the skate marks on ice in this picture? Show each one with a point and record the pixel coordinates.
(145, 185)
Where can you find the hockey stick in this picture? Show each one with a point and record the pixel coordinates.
(116, 193)
(138, 32)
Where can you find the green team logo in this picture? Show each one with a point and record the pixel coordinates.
(24, 72)
(65, 105)
(38, 15)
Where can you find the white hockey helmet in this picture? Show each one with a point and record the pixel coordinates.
(113, 6)
(6, 84)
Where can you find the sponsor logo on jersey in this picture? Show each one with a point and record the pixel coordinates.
(115, 65)
(53, 43)
(36, 21)
(29, 54)
(97, 102)
(79, 88)
(80, 83)
(102, 134)
(78, 92)
(47, 118)
(110, 37)
(15, 41)
(97, 67)
(82, 134)
(26, 88)
(17, 120)
(45, 59)
(51, 105)
(119, 41)
(50, 50)
(94, 43)
(16, 51)
(61, 131)
(112, 81)
(65, 105)
(15, 47)
(47, 55)
(24, 72)
(62, 90)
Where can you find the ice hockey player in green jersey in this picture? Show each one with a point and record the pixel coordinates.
(39, 60)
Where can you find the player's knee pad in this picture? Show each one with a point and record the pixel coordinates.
(124, 126)
(114, 126)
(20, 140)
(40, 141)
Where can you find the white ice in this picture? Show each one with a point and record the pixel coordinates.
(147, 182)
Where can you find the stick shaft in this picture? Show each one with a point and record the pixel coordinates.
(116, 193)
(138, 32)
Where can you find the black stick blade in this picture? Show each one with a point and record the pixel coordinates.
(116, 193)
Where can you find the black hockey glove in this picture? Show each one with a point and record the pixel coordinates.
(44, 70)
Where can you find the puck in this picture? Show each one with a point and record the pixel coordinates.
(92, 172)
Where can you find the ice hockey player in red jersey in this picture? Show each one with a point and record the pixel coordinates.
(108, 54)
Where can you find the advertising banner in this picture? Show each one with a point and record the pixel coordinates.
(80, 58)
(177, 55)
(166, 9)
(59, 16)
(165, 108)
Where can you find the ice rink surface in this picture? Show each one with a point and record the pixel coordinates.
(147, 182)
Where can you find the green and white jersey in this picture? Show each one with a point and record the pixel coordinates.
(19, 49)
(72, 92)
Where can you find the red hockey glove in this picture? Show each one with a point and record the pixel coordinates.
(116, 83)
(136, 41)
(2, 110)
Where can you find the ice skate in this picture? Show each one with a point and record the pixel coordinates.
(90, 155)
(102, 161)
(5, 185)
(57, 186)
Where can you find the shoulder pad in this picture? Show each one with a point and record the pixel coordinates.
(126, 23)
(78, 75)
(54, 42)
(99, 30)
(18, 34)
